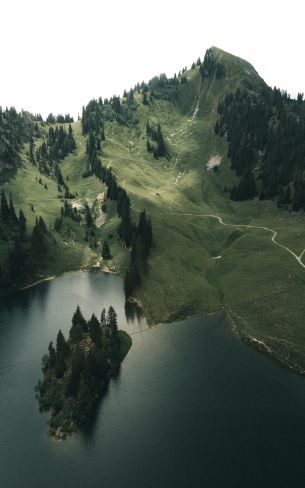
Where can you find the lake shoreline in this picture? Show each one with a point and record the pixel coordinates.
(260, 345)
(235, 323)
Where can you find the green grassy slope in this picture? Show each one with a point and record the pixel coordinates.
(260, 283)
(196, 263)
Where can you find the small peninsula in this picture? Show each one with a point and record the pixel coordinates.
(77, 372)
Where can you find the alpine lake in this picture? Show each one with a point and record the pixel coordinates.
(192, 406)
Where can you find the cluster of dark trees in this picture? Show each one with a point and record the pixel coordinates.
(138, 237)
(47, 157)
(265, 129)
(93, 118)
(155, 141)
(163, 88)
(39, 236)
(93, 149)
(8, 215)
(212, 67)
(58, 119)
(97, 112)
(67, 210)
(95, 167)
(106, 251)
(27, 250)
(77, 371)
(24, 251)
(126, 228)
(124, 110)
(15, 130)
(128, 114)
(142, 240)
(12, 231)
(198, 63)
(58, 145)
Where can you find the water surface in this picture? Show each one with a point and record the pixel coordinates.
(192, 406)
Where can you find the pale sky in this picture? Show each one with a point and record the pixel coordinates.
(56, 55)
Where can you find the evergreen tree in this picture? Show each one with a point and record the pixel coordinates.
(62, 347)
(39, 234)
(31, 150)
(52, 355)
(60, 366)
(106, 251)
(71, 141)
(88, 216)
(103, 318)
(145, 99)
(112, 319)
(4, 211)
(95, 329)
(13, 216)
(76, 333)
(78, 319)
(50, 119)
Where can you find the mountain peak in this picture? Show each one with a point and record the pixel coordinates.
(234, 66)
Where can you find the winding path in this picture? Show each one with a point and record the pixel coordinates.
(248, 226)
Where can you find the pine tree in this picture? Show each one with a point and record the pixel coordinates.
(161, 150)
(60, 366)
(112, 319)
(106, 251)
(95, 329)
(145, 99)
(76, 333)
(4, 211)
(13, 216)
(39, 234)
(50, 119)
(88, 216)
(62, 347)
(52, 355)
(71, 140)
(78, 319)
(103, 318)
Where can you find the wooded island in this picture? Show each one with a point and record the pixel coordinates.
(77, 372)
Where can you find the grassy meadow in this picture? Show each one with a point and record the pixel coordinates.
(196, 264)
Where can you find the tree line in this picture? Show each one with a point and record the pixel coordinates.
(58, 119)
(265, 129)
(98, 111)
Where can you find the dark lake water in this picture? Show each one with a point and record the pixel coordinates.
(192, 406)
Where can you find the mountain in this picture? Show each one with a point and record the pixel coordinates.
(206, 154)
